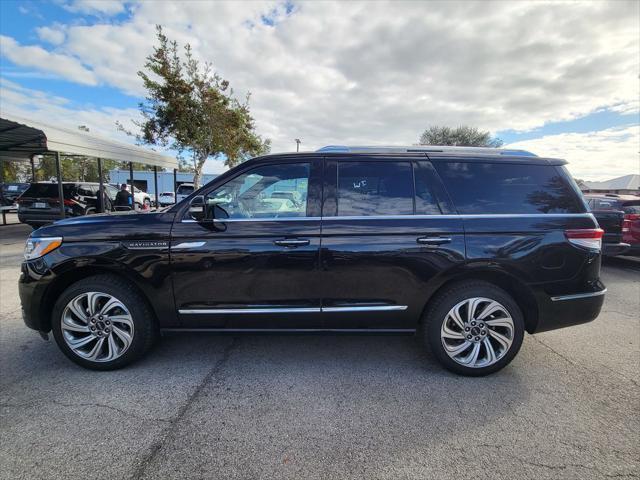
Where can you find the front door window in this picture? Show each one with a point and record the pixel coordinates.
(269, 191)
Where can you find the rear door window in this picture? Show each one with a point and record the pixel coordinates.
(431, 198)
(503, 188)
(375, 188)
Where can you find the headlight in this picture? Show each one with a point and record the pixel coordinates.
(37, 247)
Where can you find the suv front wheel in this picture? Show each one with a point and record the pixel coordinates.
(474, 328)
(101, 323)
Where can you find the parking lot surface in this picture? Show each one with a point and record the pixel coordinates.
(277, 406)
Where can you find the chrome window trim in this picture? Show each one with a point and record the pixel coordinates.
(402, 217)
(578, 296)
(220, 311)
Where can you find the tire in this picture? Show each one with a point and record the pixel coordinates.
(446, 336)
(127, 330)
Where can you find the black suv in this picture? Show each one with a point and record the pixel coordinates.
(468, 247)
(40, 204)
(9, 192)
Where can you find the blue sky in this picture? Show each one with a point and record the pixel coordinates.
(345, 73)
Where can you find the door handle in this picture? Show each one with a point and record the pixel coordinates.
(291, 242)
(433, 240)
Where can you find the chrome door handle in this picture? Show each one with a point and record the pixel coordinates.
(433, 240)
(291, 243)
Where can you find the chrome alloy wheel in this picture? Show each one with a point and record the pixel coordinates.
(97, 326)
(477, 332)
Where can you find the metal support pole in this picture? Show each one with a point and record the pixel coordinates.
(33, 170)
(133, 199)
(175, 180)
(59, 177)
(155, 185)
(100, 187)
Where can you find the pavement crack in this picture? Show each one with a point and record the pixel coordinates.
(173, 422)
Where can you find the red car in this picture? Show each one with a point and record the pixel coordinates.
(630, 206)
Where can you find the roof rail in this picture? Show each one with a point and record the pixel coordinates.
(426, 149)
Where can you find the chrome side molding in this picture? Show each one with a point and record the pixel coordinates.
(220, 311)
(577, 296)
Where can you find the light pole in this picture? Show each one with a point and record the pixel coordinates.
(298, 142)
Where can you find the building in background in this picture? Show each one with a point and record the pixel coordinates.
(626, 185)
(143, 179)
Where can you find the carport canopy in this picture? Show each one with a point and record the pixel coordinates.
(21, 139)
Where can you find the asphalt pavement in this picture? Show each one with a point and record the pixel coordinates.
(324, 406)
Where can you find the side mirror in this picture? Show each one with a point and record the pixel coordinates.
(198, 208)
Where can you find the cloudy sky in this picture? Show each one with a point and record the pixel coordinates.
(561, 79)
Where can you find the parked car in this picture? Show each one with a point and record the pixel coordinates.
(167, 198)
(40, 204)
(183, 191)
(468, 248)
(142, 199)
(619, 216)
(9, 192)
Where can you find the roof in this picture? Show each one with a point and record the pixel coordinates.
(20, 138)
(446, 154)
(626, 182)
(426, 149)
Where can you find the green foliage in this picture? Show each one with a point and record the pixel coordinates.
(73, 168)
(191, 108)
(462, 136)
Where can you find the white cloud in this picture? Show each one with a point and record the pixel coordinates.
(94, 7)
(53, 35)
(377, 72)
(39, 58)
(598, 155)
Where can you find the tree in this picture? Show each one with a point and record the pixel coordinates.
(462, 136)
(192, 109)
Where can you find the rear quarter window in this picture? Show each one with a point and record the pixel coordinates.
(504, 188)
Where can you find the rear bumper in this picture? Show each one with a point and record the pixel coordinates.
(612, 249)
(38, 218)
(567, 310)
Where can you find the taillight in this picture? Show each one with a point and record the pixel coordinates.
(628, 218)
(586, 237)
(69, 203)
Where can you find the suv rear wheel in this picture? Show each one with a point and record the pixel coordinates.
(101, 323)
(474, 328)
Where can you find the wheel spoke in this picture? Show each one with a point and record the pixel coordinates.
(77, 343)
(457, 349)
(502, 340)
(488, 310)
(71, 325)
(472, 357)
(110, 305)
(471, 310)
(455, 316)
(96, 350)
(122, 335)
(501, 322)
(124, 319)
(78, 310)
(112, 348)
(491, 353)
(92, 302)
(448, 333)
